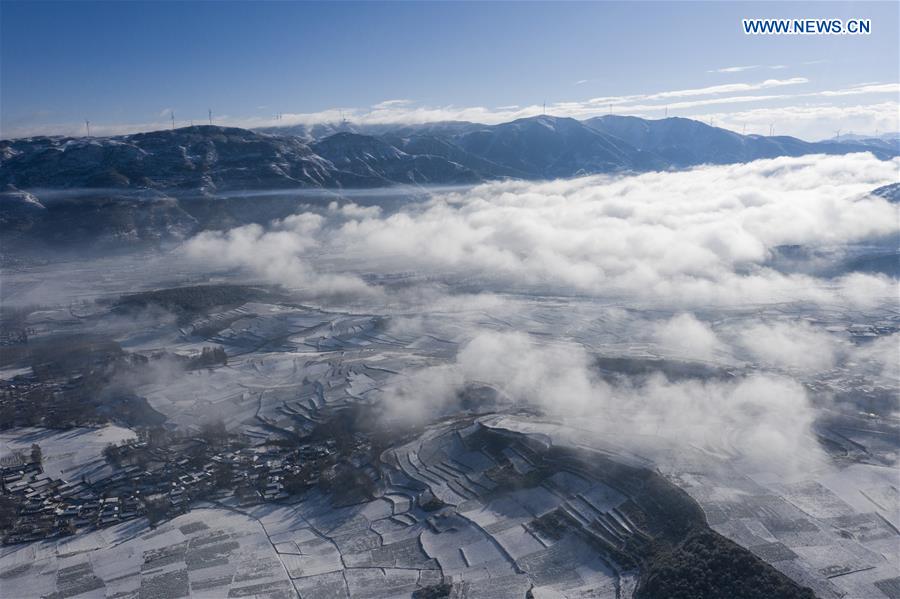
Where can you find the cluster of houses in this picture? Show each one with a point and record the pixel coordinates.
(158, 481)
(48, 507)
(47, 400)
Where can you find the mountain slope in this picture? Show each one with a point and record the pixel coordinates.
(316, 132)
(102, 218)
(206, 158)
(375, 159)
(683, 142)
(435, 145)
(547, 147)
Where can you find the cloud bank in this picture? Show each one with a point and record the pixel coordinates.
(702, 237)
(763, 419)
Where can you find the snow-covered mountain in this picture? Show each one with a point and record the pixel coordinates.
(372, 158)
(683, 142)
(884, 141)
(214, 159)
(549, 147)
(204, 158)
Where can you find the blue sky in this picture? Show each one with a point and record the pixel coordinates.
(127, 65)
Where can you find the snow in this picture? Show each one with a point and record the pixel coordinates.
(160, 563)
(68, 454)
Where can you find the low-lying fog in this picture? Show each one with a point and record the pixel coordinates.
(740, 267)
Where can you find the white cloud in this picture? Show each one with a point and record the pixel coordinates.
(762, 418)
(811, 121)
(392, 104)
(630, 102)
(741, 69)
(352, 210)
(679, 236)
(881, 358)
(687, 338)
(727, 88)
(875, 88)
(275, 255)
(683, 239)
(643, 108)
(735, 69)
(792, 346)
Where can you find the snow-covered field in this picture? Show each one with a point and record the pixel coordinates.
(210, 552)
(69, 454)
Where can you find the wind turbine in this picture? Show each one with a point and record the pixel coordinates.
(173, 120)
(837, 135)
(209, 111)
(87, 125)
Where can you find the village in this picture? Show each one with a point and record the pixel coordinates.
(160, 474)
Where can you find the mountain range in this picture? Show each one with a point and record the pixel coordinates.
(170, 183)
(211, 158)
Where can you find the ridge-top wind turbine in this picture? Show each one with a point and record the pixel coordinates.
(87, 125)
(209, 111)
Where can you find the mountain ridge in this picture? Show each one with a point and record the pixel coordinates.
(212, 159)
